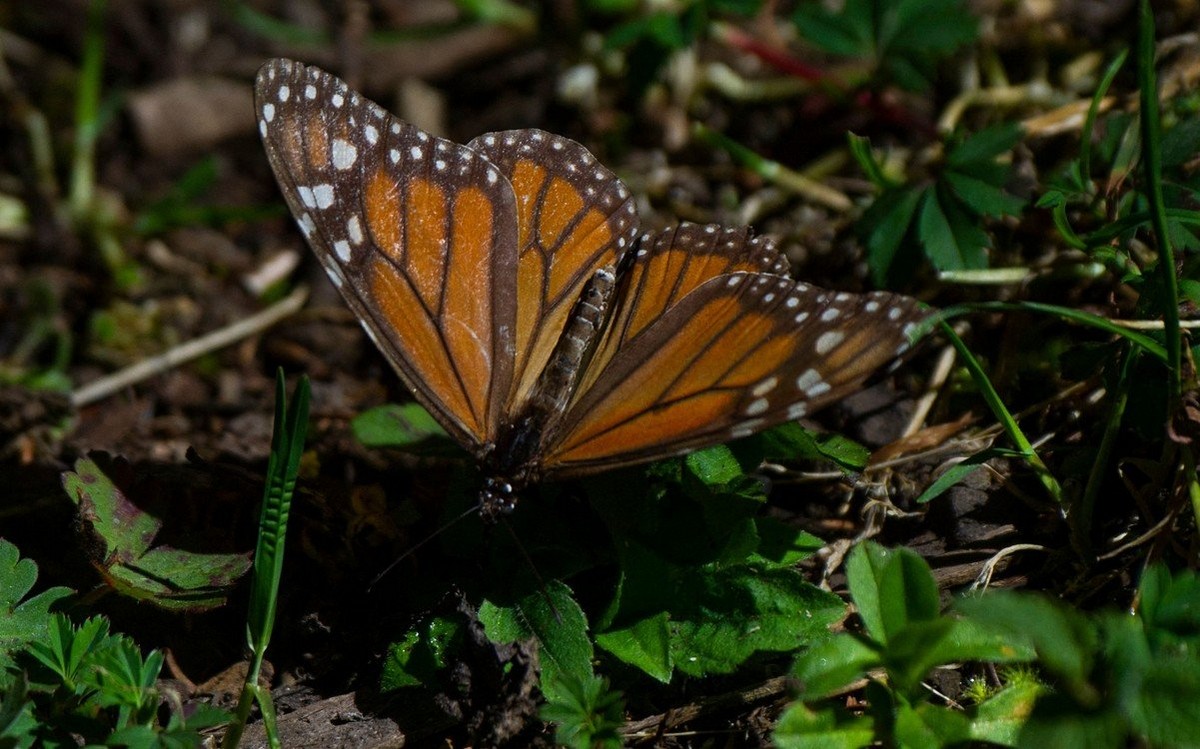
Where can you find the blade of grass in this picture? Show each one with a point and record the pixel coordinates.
(1005, 417)
(1152, 163)
(1081, 519)
(287, 445)
(773, 171)
(1089, 124)
(1151, 346)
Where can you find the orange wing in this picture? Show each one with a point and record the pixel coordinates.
(739, 352)
(418, 233)
(574, 217)
(669, 266)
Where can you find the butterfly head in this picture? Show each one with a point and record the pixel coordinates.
(497, 498)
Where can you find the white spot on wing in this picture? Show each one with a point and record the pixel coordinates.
(323, 194)
(811, 383)
(765, 386)
(828, 340)
(344, 154)
(757, 406)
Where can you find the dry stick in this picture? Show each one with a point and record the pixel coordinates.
(770, 688)
(155, 365)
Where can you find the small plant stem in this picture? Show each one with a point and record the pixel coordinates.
(1081, 520)
(87, 104)
(773, 171)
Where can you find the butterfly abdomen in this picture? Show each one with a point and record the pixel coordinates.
(514, 461)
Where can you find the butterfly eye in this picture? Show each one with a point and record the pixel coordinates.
(506, 282)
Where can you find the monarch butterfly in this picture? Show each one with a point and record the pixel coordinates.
(508, 284)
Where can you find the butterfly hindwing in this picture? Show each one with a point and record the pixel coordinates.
(670, 264)
(740, 352)
(418, 233)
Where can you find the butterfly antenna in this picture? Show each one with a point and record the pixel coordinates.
(541, 581)
(417, 547)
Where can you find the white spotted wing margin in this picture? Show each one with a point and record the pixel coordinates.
(382, 203)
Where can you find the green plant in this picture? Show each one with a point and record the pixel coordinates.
(941, 216)
(649, 39)
(904, 636)
(63, 683)
(1114, 678)
(588, 714)
(1105, 678)
(700, 585)
(901, 40)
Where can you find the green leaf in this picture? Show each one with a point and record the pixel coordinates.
(939, 238)
(715, 466)
(794, 442)
(782, 544)
(22, 622)
(556, 622)
(886, 224)
(645, 644)
(1170, 605)
(405, 426)
(830, 665)
(864, 569)
(904, 39)
(913, 651)
(999, 719)
(981, 197)
(738, 611)
(927, 725)
(589, 714)
(168, 577)
(847, 33)
(18, 726)
(1165, 709)
(1058, 721)
(929, 27)
(907, 591)
(1065, 641)
(66, 648)
(421, 654)
(801, 727)
(983, 147)
(958, 472)
(881, 581)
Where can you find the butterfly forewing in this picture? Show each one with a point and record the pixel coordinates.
(739, 353)
(418, 233)
(574, 217)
